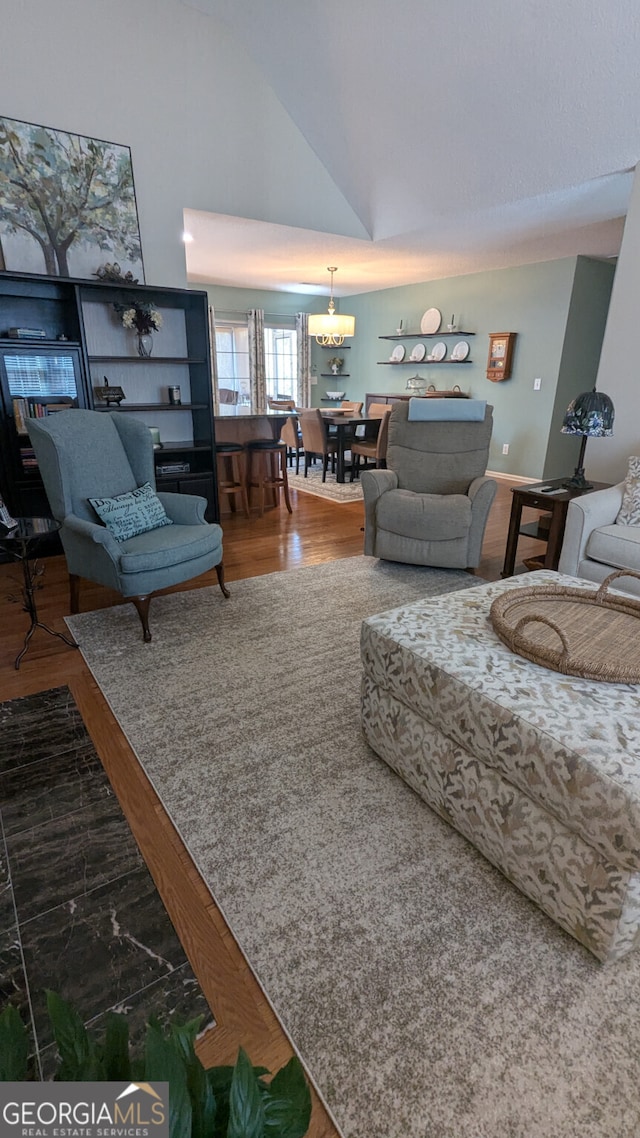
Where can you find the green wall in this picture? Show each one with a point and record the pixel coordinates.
(586, 320)
(558, 309)
(532, 300)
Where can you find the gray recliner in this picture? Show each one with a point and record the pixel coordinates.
(91, 454)
(430, 506)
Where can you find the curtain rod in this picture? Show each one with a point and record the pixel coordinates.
(229, 313)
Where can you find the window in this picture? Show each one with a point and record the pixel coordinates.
(280, 355)
(232, 352)
(281, 362)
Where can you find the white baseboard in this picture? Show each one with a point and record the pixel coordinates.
(510, 477)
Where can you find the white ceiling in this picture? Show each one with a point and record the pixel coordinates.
(465, 136)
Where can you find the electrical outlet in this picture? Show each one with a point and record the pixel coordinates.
(537, 383)
(505, 448)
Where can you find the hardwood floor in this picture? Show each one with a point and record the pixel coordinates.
(317, 531)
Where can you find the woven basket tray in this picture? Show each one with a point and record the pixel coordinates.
(575, 631)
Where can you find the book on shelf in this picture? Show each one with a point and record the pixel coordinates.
(24, 409)
(26, 333)
(28, 458)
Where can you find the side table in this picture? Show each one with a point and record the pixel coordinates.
(20, 543)
(556, 503)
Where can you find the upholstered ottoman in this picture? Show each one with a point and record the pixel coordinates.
(540, 771)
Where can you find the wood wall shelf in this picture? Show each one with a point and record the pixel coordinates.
(425, 335)
(330, 375)
(143, 359)
(420, 363)
(156, 407)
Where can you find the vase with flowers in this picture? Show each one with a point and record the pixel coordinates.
(141, 316)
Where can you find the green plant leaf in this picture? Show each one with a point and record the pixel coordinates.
(203, 1100)
(77, 1055)
(246, 1109)
(287, 1103)
(184, 1035)
(115, 1053)
(14, 1047)
(163, 1061)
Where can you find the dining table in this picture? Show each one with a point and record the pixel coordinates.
(345, 429)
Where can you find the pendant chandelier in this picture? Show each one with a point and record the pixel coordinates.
(330, 328)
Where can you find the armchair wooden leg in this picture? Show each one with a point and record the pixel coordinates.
(142, 605)
(74, 592)
(220, 573)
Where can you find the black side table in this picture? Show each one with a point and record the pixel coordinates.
(20, 543)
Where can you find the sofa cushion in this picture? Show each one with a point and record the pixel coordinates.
(160, 548)
(616, 545)
(629, 512)
(432, 517)
(133, 513)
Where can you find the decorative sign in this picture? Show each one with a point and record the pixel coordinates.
(110, 395)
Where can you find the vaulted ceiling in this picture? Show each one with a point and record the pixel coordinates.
(464, 136)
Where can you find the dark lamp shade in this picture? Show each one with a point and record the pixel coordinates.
(589, 414)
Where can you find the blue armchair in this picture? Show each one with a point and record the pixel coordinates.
(91, 454)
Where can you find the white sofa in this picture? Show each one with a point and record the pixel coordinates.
(595, 546)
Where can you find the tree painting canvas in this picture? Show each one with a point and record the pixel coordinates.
(67, 203)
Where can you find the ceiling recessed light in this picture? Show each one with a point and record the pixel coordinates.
(187, 237)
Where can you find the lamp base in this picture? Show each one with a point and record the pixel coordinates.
(578, 481)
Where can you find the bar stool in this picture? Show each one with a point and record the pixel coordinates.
(231, 480)
(268, 468)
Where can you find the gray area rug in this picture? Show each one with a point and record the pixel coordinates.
(426, 996)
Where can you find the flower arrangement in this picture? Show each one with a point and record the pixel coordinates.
(139, 315)
(335, 363)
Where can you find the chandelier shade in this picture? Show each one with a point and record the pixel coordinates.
(330, 328)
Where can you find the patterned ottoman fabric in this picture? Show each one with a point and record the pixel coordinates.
(540, 771)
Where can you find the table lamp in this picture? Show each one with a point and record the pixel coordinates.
(590, 415)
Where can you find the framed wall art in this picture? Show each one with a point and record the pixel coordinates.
(67, 203)
(501, 346)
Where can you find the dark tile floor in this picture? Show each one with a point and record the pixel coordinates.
(79, 912)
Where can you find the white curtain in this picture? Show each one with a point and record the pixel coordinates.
(213, 361)
(303, 393)
(255, 320)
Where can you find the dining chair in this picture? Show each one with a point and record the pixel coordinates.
(350, 405)
(281, 404)
(373, 449)
(316, 440)
(227, 395)
(291, 435)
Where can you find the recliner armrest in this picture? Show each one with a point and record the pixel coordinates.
(377, 482)
(374, 484)
(477, 484)
(184, 509)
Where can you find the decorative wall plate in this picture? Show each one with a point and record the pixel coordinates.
(418, 353)
(397, 354)
(439, 351)
(460, 351)
(431, 321)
